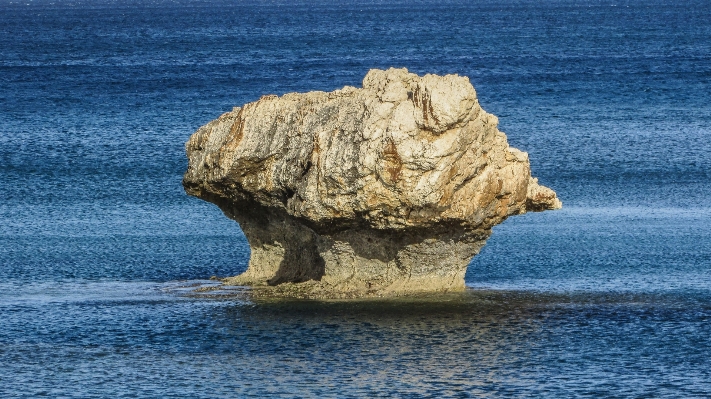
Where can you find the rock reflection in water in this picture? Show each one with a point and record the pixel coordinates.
(477, 343)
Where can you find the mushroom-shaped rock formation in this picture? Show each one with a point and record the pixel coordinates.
(388, 189)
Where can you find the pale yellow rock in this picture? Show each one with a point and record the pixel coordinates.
(387, 189)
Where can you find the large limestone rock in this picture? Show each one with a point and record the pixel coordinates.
(386, 189)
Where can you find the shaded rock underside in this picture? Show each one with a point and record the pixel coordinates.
(383, 190)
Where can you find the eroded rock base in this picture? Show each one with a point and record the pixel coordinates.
(291, 258)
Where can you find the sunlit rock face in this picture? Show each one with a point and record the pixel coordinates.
(387, 189)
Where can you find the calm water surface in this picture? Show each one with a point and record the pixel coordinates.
(608, 297)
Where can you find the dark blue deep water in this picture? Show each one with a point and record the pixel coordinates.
(609, 297)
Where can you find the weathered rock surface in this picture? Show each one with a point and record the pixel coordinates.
(386, 189)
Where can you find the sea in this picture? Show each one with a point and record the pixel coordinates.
(100, 248)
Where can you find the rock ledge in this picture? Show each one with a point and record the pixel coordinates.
(383, 190)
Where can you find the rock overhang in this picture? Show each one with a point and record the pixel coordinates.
(411, 160)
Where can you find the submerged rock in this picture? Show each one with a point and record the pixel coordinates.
(387, 189)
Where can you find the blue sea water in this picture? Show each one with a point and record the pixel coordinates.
(608, 297)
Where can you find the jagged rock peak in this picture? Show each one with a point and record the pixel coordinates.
(388, 188)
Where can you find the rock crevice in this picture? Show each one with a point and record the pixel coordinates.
(390, 188)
